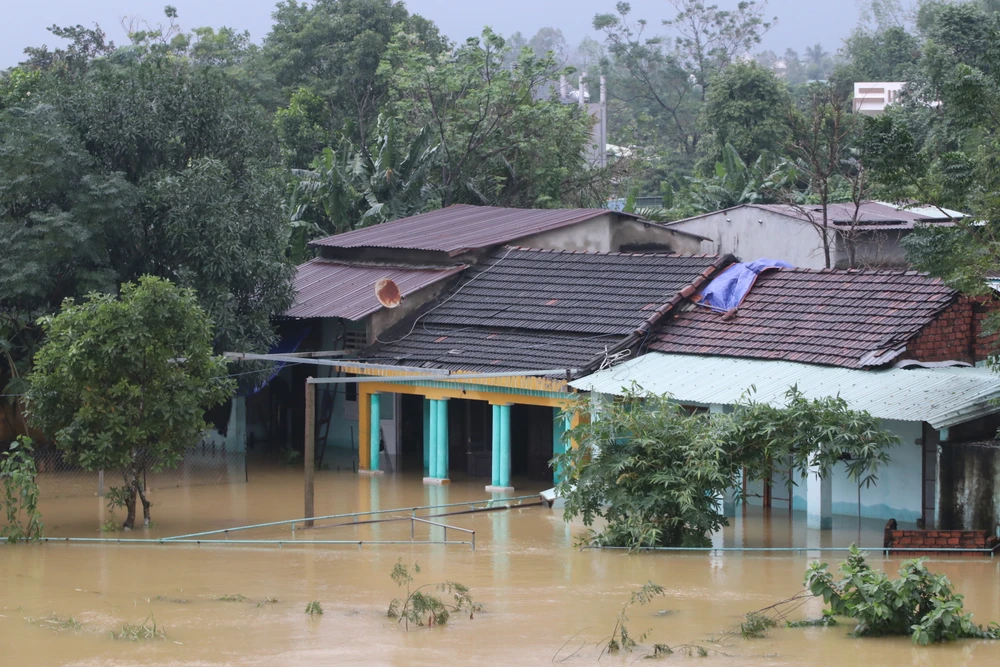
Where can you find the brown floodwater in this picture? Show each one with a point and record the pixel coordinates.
(544, 600)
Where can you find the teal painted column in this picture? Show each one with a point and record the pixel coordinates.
(433, 439)
(376, 431)
(496, 447)
(427, 436)
(504, 446)
(442, 440)
(560, 425)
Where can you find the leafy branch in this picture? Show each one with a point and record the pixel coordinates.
(422, 608)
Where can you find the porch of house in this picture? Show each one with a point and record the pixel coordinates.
(445, 430)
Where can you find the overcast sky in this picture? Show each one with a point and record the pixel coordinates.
(800, 22)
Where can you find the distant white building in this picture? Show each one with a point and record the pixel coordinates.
(596, 152)
(871, 98)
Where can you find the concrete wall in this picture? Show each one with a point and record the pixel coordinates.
(968, 489)
(897, 493)
(613, 233)
(593, 235)
(752, 233)
(343, 432)
(382, 319)
(876, 249)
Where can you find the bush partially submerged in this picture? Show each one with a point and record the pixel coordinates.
(919, 603)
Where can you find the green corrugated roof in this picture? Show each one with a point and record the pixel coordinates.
(942, 397)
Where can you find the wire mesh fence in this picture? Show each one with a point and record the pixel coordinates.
(209, 462)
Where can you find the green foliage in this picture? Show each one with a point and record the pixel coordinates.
(735, 182)
(422, 608)
(756, 624)
(654, 472)
(237, 597)
(747, 108)
(123, 383)
(649, 469)
(314, 608)
(19, 493)
(497, 142)
(621, 639)
(808, 436)
(919, 603)
(328, 52)
(353, 188)
(664, 78)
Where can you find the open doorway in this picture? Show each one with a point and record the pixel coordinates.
(531, 431)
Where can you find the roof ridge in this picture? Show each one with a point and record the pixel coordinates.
(605, 254)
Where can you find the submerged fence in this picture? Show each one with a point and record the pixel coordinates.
(209, 462)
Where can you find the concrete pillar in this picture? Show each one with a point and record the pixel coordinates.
(236, 433)
(375, 435)
(819, 500)
(495, 449)
(501, 450)
(560, 425)
(427, 436)
(438, 473)
(432, 442)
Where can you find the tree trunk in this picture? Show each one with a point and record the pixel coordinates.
(146, 517)
(130, 486)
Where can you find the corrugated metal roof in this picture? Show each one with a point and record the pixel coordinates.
(461, 227)
(324, 288)
(870, 214)
(943, 397)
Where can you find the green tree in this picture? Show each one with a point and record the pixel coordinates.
(823, 133)
(650, 470)
(142, 162)
(883, 55)
(664, 79)
(123, 383)
(654, 472)
(746, 107)
(498, 143)
(350, 188)
(332, 49)
(735, 182)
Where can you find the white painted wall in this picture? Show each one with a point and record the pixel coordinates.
(751, 233)
(896, 495)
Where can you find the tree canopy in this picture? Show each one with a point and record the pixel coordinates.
(124, 383)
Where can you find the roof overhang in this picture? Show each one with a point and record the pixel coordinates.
(942, 397)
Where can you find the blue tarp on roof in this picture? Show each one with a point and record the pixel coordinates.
(728, 290)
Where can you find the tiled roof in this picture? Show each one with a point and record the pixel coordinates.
(482, 349)
(526, 308)
(590, 293)
(852, 319)
(460, 228)
(326, 288)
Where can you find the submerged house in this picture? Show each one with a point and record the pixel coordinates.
(521, 324)
(337, 313)
(898, 344)
(869, 235)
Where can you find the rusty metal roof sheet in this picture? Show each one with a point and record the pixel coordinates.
(460, 228)
(325, 288)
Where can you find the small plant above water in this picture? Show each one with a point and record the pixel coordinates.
(135, 632)
(164, 598)
(422, 608)
(19, 493)
(238, 597)
(919, 603)
(621, 639)
(314, 608)
(267, 601)
(756, 624)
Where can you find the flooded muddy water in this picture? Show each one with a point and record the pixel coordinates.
(543, 598)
